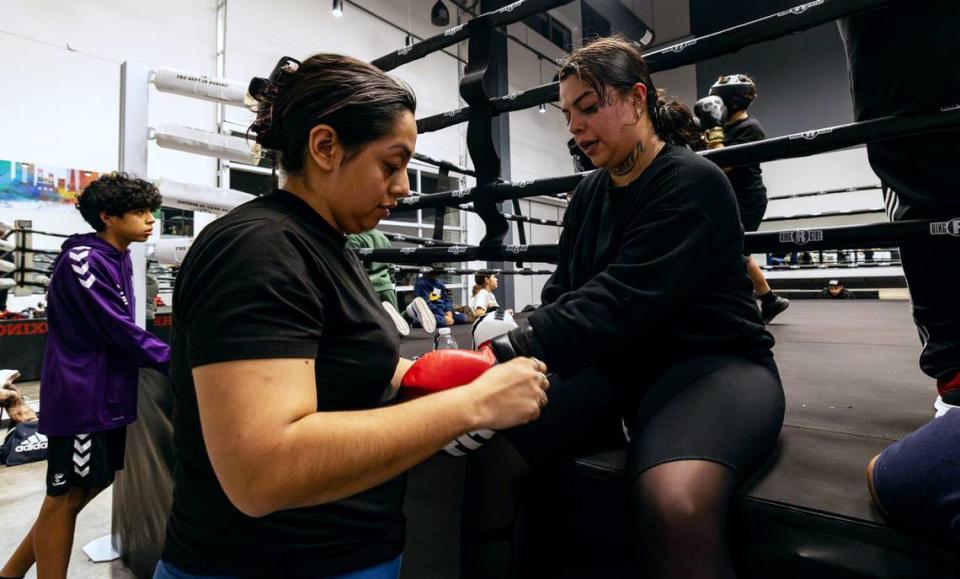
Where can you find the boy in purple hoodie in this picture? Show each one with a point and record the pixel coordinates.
(89, 377)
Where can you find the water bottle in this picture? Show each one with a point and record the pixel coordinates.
(444, 340)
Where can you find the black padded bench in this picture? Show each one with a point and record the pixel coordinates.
(852, 384)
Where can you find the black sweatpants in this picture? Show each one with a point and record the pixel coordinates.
(918, 173)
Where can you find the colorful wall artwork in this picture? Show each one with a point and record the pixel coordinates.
(30, 186)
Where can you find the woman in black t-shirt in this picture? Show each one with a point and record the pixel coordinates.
(648, 318)
(737, 92)
(289, 462)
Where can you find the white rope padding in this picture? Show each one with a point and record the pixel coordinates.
(201, 86)
(208, 143)
(199, 197)
(172, 250)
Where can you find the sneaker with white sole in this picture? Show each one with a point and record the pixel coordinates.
(403, 328)
(419, 309)
(942, 407)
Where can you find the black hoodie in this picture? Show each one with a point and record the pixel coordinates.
(651, 273)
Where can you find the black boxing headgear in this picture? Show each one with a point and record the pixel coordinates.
(581, 162)
(736, 90)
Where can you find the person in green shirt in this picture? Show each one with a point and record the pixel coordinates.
(381, 275)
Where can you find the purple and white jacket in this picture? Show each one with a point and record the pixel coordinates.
(90, 371)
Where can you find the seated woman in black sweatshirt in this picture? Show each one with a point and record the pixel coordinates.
(648, 318)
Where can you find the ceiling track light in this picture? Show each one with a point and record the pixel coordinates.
(543, 107)
(337, 8)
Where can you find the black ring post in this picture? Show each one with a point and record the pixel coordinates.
(486, 160)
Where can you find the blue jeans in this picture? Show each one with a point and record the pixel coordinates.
(388, 570)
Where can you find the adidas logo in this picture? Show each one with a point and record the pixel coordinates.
(33, 442)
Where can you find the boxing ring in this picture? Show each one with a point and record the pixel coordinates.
(849, 372)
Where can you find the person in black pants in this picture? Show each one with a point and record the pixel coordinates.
(648, 318)
(902, 61)
(731, 125)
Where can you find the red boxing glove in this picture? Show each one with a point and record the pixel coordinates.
(445, 369)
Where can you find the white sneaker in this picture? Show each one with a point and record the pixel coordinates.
(402, 326)
(419, 309)
(942, 407)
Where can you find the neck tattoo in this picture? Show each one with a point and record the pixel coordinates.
(629, 163)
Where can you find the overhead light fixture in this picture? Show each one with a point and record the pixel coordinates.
(337, 8)
(439, 15)
(543, 107)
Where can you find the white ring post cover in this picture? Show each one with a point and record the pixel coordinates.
(199, 197)
(171, 250)
(208, 143)
(201, 86)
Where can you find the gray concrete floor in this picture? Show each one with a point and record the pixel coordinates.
(22, 489)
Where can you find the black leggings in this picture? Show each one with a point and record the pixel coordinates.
(697, 429)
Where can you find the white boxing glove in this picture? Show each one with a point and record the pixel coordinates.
(485, 328)
(490, 325)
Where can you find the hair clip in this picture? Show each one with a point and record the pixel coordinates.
(266, 89)
(285, 67)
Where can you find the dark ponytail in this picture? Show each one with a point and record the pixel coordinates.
(675, 124)
(617, 63)
(357, 99)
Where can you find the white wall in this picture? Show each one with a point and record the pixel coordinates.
(65, 107)
(61, 102)
(671, 22)
(828, 171)
(258, 34)
(538, 141)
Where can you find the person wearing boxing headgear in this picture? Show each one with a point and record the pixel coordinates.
(737, 92)
(648, 319)
(712, 115)
(271, 304)
(914, 481)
